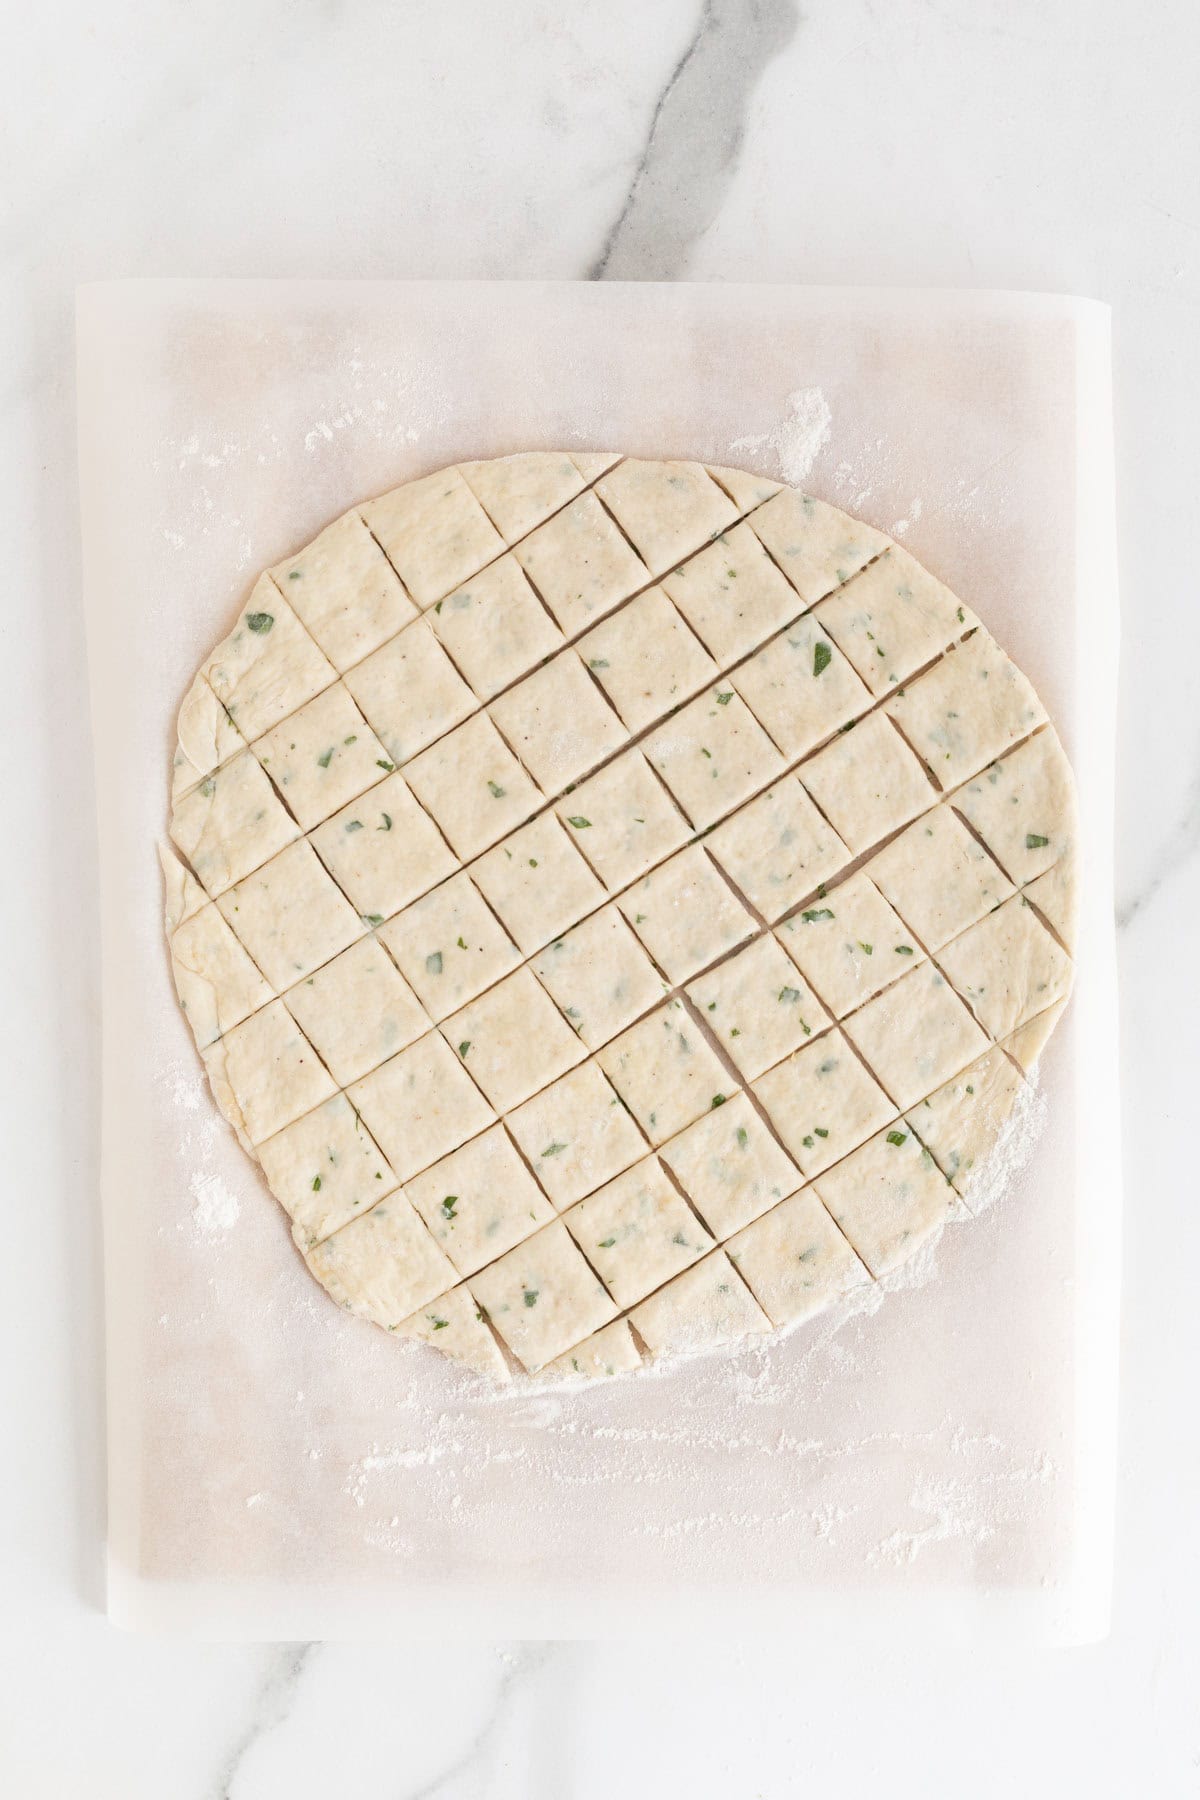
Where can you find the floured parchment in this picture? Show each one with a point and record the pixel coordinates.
(279, 1469)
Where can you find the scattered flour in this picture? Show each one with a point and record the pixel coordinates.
(216, 1207)
(798, 440)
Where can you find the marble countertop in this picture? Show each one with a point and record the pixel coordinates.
(1042, 144)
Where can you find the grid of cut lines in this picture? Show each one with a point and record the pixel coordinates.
(760, 924)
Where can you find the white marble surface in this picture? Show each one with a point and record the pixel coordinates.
(1024, 143)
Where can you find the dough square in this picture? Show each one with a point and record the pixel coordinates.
(817, 547)
(345, 592)
(592, 463)
(576, 1134)
(822, 1102)
(449, 946)
(888, 1196)
(778, 849)
(217, 984)
(967, 710)
(434, 533)
(1008, 967)
(268, 665)
(207, 738)
(495, 629)
(558, 723)
(182, 893)
(745, 489)
(800, 687)
(1024, 807)
(473, 785)
(265, 1073)
(730, 1166)
(1025, 1045)
(420, 1105)
(624, 820)
(454, 1324)
(357, 1011)
(637, 1232)
(892, 619)
(581, 564)
(916, 1035)
(325, 1169)
(537, 882)
(708, 1305)
(600, 977)
(231, 823)
(382, 1266)
(732, 595)
(513, 1039)
(850, 944)
(665, 1072)
(795, 1261)
(646, 659)
(611, 1351)
(867, 782)
(1056, 895)
(542, 1297)
(938, 877)
(323, 756)
(291, 916)
(479, 1201)
(961, 1124)
(712, 754)
(666, 509)
(685, 914)
(518, 492)
(383, 850)
(411, 692)
(758, 1006)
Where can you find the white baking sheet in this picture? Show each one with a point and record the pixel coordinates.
(280, 1470)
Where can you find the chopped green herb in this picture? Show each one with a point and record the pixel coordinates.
(822, 657)
(316, 1184)
(381, 762)
(373, 918)
(433, 963)
(208, 788)
(495, 790)
(579, 822)
(352, 739)
(448, 1206)
(962, 617)
(897, 1137)
(743, 1137)
(1035, 841)
(820, 1131)
(353, 824)
(260, 622)
(904, 949)
(464, 1047)
(438, 1324)
(807, 1142)
(326, 757)
(724, 699)
(788, 994)
(718, 1100)
(867, 949)
(554, 1149)
(294, 574)
(970, 1089)
(705, 752)
(387, 822)
(597, 662)
(816, 914)
(531, 1296)
(606, 1243)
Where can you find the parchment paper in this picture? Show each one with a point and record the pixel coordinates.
(281, 1470)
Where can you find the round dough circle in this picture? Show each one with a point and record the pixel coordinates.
(618, 904)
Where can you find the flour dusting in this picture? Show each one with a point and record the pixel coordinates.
(798, 439)
(216, 1208)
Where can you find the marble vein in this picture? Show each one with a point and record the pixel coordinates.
(272, 1706)
(694, 139)
(522, 1660)
(1179, 849)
